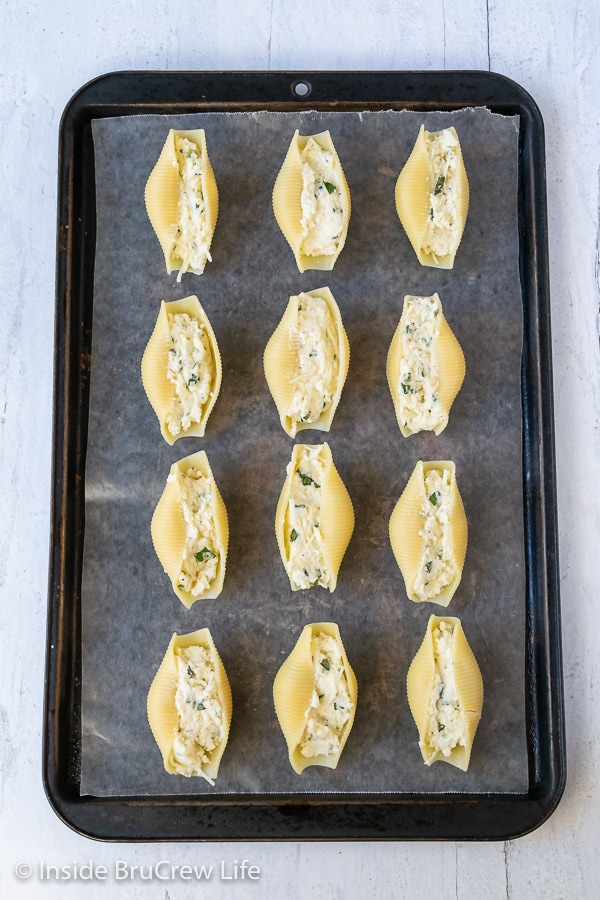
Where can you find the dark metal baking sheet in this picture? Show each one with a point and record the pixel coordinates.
(401, 815)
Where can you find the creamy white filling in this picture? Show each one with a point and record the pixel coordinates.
(442, 236)
(437, 567)
(201, 550)
(418, 385)
(192, 239)
(306, 564)
(330, 706)
(321, 200)
(190, 369)
(200, 729)
(446, 727)
(315, 336)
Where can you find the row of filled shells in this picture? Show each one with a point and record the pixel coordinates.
(314, 522)
(311, 200)
(306, 363)
(315, 695)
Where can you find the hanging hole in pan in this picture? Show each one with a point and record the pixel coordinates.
(301, 88)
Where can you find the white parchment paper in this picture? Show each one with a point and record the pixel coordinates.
(129, 610)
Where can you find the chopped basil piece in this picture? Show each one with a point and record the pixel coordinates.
(439, 184)
(190, 671)
(306, 479)
(293, 534)
(326, 664)
(435, 497)
(441, 726)
(199, 705)
(330, 187)
(204, 554)
(428, 566)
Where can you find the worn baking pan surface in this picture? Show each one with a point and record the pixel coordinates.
(110, 463)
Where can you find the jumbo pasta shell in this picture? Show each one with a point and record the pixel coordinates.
(169, 532)
(294, 373)
(323, 527)
(435, 372)
(288, 208)
(420, 684)
(162, 196)
(427, 576)
(417, 199)
(186, 416)
(163, 716)
(293, 690)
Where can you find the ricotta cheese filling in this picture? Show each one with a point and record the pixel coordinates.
(306, 564)
(446, 729)
(419, 405)
(442, 235)
(315, 336)
(192, 239)
(201, 551)
(330, 706)
(190, 369)
(437, 567)
(321, 200)
(200, 729)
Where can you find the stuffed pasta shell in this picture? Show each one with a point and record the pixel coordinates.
(315, 694)
(314, 520)
(428, 533)
(311, 201)
(432, 197)
(445, 693)
(425, 366)
(189, 706)
(181, 369)
(190, 530)
(306, 362)
(182, 201)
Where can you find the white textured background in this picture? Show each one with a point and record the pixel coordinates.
(48, 49)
